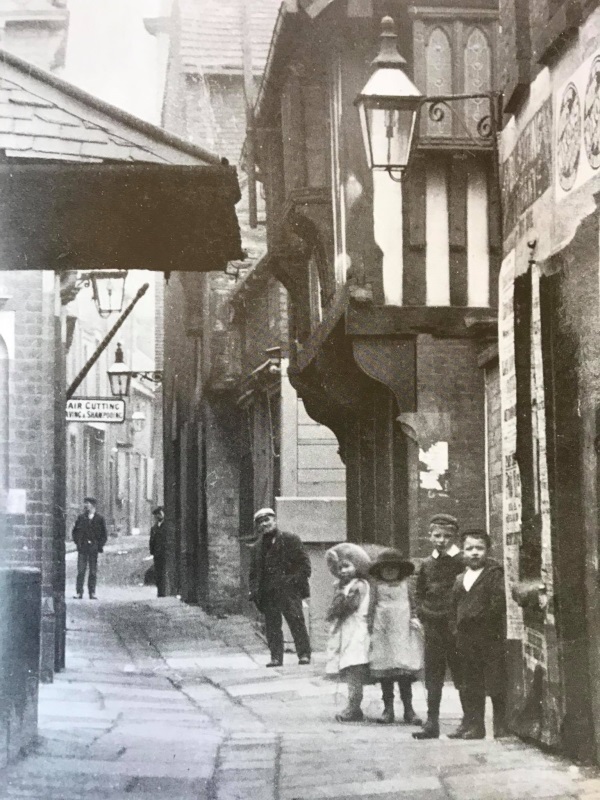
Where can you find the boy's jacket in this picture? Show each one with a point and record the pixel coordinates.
(480, 612)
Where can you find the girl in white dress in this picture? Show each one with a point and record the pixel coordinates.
(349, 641)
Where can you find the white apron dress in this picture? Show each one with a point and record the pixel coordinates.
(349, 640)
(396, 641)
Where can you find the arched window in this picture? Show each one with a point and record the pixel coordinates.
(478, 75)
(439, 78)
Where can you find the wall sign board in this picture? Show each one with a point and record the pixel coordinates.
(96, 409)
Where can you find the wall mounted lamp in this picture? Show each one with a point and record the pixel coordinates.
(390, 107)
(119, 375)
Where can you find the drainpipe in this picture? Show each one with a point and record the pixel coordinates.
(249, 99)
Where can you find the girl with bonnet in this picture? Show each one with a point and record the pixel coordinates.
(396, 654)
(349, 641)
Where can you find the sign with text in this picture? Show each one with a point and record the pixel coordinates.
(95, 409)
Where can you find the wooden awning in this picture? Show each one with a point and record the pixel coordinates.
(161, 217)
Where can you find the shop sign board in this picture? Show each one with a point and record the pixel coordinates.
(96, 409)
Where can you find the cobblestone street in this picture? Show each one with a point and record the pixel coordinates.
(159, 700)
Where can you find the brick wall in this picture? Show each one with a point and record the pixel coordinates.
(27, 537)
(264, 323)
(451, 410)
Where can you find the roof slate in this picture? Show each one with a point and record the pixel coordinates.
(43, 117)
(211, 38)
(43, 130)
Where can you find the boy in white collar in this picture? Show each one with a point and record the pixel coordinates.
(433, 596)
(479, 608)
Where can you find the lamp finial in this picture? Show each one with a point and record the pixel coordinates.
(389, 55)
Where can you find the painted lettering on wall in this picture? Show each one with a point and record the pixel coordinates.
(525, 174)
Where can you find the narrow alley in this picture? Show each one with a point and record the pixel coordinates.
(160, 700)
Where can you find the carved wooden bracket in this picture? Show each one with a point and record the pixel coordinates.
(393, 363)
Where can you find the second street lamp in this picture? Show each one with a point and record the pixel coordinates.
(120, 375)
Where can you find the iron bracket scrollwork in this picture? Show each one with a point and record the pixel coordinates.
(154, 376)
(486, 128)
(485, 135)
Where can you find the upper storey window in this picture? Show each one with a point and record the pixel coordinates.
(305, 132)
(453, 56)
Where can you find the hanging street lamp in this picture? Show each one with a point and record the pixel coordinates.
(388, 107)
(108, 289)
(138, 420)
(119, 376)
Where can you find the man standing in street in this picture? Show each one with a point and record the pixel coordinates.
(279, 573)
(158, 549)
(89, 534)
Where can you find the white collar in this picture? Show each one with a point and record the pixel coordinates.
(452, 551)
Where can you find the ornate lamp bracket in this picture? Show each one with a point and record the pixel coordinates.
(483, 135)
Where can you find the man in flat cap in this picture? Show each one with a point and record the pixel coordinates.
(435, 581)
(279, 573)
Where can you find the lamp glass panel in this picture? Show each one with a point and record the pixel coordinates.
(391, 134)
(365, 119)
(119, 382)
(109, 293)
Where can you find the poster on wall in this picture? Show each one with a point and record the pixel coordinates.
(539, 433)
(577, 114)
(511, 484)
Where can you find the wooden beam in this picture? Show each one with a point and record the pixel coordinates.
(442, 321)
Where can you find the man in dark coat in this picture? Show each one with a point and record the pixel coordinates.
(279, 573)
(158, 549)
(479, 613)
(89, 534)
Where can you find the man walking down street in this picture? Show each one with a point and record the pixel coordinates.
(279, 573)
(158, 549)
(89, 534)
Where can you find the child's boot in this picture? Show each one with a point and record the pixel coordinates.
(465, 723)
(353, 712)
(476, 720)
(406, 696)
(387, 695)
(431, 728)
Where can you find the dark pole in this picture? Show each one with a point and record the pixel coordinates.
(249, 97)
(105, 342)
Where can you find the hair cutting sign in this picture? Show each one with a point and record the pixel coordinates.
(577, 114)
(95, 409)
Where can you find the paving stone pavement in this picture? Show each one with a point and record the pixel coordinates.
(161, 701)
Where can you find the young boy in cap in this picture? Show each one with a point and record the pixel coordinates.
(435, 582)
(479, 608)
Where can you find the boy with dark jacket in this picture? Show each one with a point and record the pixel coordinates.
(479, 609)
(435, 581)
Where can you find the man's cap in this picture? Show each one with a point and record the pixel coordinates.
(263, 512)
(444, 519)
(157, 510)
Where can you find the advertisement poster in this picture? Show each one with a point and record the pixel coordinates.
(511, 484)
